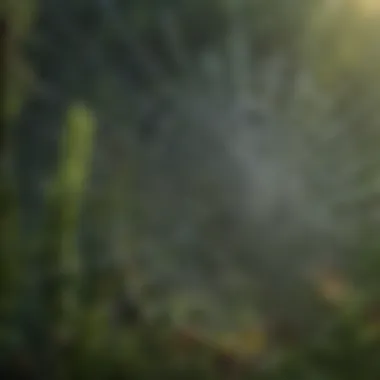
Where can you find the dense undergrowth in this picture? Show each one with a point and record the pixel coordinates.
(63, 319)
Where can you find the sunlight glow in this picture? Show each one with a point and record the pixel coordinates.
(367, 6)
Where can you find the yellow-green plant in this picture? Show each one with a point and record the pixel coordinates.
(60, 259)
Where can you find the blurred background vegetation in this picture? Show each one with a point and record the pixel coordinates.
(84, 83)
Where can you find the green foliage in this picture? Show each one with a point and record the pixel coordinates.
(79, 336)
(19, 16)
